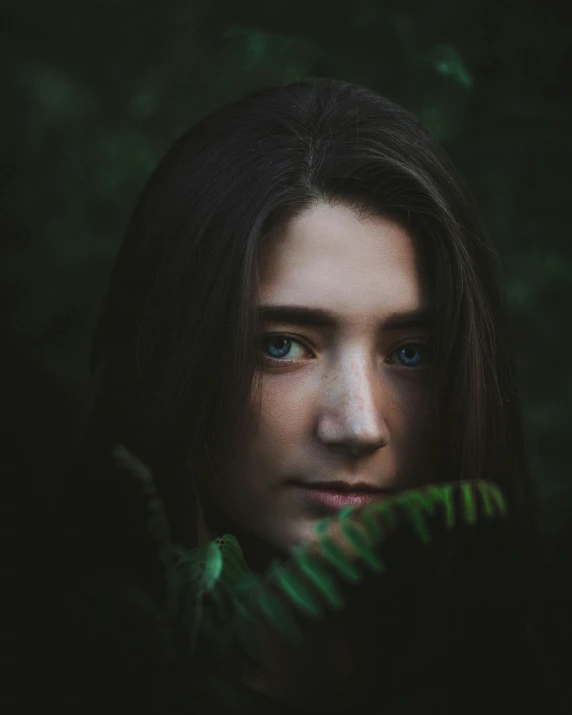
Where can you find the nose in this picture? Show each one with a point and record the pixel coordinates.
(351, 410)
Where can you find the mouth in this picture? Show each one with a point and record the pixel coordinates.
(335, 495)
(343, 486)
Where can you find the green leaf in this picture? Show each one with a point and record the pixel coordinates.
(363, 546)
(337, 557)
(234, 569)
(323, 526)
(316, 571)
(448, 63)
(297, 591)
(371, 521)
(416, 502)
(157, 528)
(379, 519)
(346, 512)
(491, 493)
(469, 503)
(220, 566)
(278, 614)
(213, 565)
(443, 493)
(244, 588)
(248, 635)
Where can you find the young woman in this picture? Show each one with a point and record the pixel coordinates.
(306, 304)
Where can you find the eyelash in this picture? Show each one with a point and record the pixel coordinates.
(280, 362)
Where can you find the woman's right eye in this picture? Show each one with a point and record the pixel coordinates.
(279, 347)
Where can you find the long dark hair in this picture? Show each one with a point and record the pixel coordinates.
(174, 353)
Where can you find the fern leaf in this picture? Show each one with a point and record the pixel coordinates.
(379, 519)
(279, 615)
(315, 570)
(373, 524)
(323, 526)
(346, 512)
(443, 494)
(469, 503)
(293, 587)
(234, 570)
(246, 586)
(157, 524)
(190, 570)
(491, 493)
(415, 503)
(338, 558)
(235, 565)
(363, 530)
(212, 566)
(247, 636)
(354, 534)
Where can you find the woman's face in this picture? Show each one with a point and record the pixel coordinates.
(354, 379)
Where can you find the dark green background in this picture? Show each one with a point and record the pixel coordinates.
(95, 92)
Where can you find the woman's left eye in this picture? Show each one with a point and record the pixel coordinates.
(410, 354)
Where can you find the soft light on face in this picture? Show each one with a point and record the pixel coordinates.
(359, 378)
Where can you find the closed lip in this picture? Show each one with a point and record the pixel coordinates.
(340, 486)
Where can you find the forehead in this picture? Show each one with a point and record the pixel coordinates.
(327, 257)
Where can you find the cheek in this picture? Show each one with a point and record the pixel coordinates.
(278, 420)
(417, 422)
(407, 401)
(285, 411)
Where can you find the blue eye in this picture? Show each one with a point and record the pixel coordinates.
(284, 344)
(410, 354)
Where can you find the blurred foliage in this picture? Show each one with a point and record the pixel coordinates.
(95, 92)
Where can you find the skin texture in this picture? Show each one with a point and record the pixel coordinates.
(326, 391)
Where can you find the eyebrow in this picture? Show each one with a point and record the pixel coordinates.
(423, 317)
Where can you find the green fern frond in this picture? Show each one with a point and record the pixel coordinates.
(379, 522)
(306, 582)
(234, 563)
(277, 612)
(215, 570)
(295, 588)
(469, 503)
(492, 497)
(354, 535)
(334, 553)
(213, 566)
(157, 525)
(318, 573)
